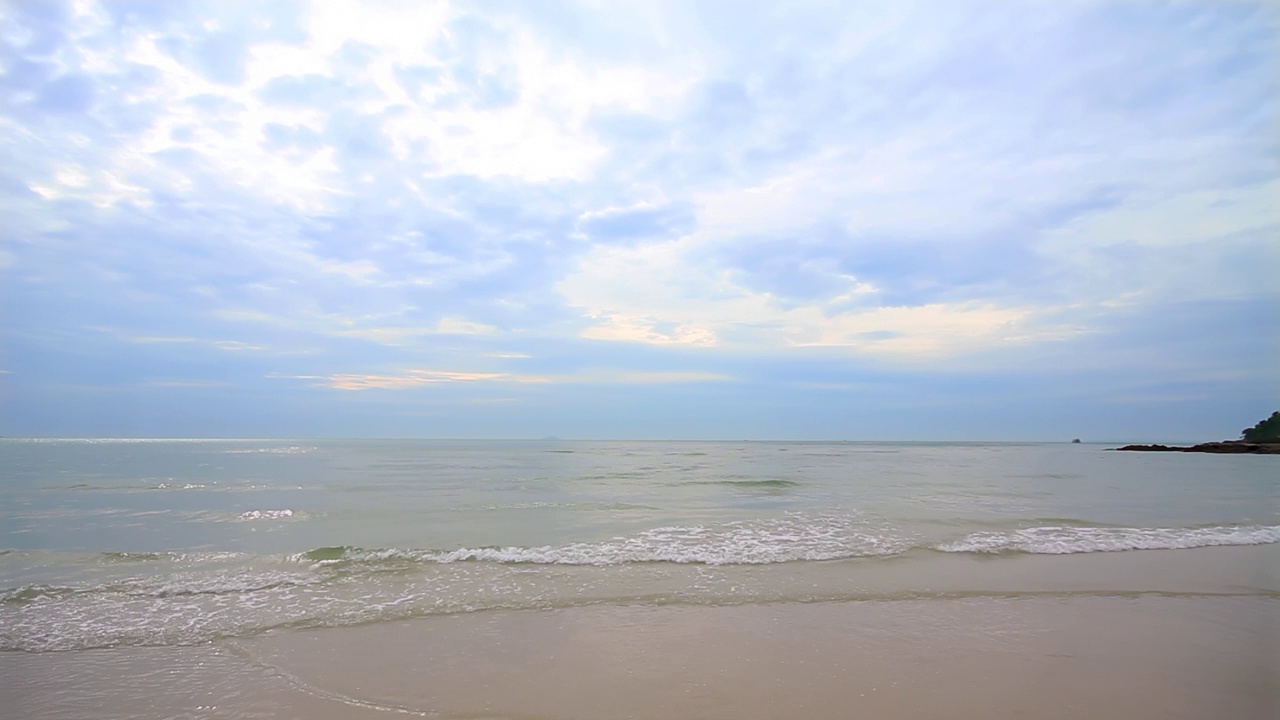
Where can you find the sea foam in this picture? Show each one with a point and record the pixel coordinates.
(1057, 540)
(265, 514)
(755, 542)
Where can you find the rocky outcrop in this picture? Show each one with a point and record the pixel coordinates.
(1226, 447)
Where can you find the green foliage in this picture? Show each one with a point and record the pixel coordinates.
(1265, 430)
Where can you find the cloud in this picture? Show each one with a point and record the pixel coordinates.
(635, 223)
(423, 378)
(657, 294)
(220, 344)
(649, 187)
(311, 90)
(170, 383)
(458, 326)
(653, 377)
(418, 378)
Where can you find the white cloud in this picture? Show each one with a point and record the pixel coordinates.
(410, 379)
(386, 327)
(221, 344)
(459, 326)
(419, 378)
(1176, 219)
(901, 184)
(649, 329)
(660, 294)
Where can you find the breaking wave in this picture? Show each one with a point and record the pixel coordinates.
(1061, 540)
(282, 514)
(167, 598)
(736, 543)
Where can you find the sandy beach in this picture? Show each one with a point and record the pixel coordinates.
(635, 581)
(647, 360)
(1166, 647)
(1048, 658)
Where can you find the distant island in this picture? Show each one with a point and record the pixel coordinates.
(1261, 439)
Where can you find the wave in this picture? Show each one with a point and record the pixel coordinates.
(173, 598)
(1065, 540)
(283, 514)
(546, 504)
(762, 484)
(758, 542)
(766, 484)
(81, 487)
(292, 450)
(47, 559)
(32, 593)
(183, 586)
(761, 543)
(181, 604)
(141, 487)
(132, 557)
(792, 538)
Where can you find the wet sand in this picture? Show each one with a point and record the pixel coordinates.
(1047, 657)
(1163, 634)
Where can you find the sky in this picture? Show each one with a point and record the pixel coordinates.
(688, 220)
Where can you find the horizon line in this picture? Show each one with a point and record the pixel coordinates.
(219, 438)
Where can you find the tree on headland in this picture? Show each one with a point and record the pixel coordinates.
(1265, 430)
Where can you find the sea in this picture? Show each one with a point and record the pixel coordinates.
(114, 543)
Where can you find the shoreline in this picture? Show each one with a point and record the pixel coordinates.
(1044, 658)
(1141, 635)
(1225, 447)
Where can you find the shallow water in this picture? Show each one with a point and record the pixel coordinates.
(110, 543)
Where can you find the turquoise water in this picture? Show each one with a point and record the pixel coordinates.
(172, 542)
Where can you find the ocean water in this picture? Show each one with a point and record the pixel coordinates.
(125, 543)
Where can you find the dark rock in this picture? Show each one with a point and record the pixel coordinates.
(1232, 447)
(1236, 446)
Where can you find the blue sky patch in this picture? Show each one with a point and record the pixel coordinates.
(948, 220)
